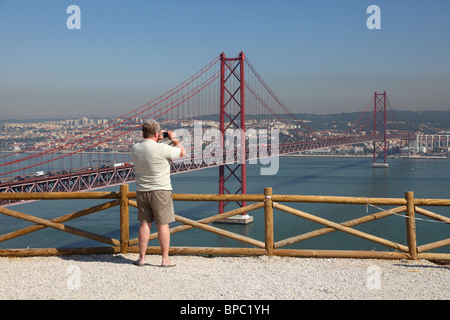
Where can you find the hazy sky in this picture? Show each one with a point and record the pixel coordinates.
(317, 56)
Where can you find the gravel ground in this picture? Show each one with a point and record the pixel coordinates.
(100, 277)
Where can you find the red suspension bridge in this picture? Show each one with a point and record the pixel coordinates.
(227, 95)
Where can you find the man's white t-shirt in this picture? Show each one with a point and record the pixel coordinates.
(152, 166)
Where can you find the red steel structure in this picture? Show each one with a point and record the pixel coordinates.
(232, 116)
(380, 128)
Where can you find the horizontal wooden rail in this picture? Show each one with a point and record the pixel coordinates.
(59, 195)
(124, 198)
(340, 200)
(226, 197)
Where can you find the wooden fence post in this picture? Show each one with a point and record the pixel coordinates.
(124, 219)
(268, 219)
(411, 224)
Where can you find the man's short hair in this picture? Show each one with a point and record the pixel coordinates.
(150, 128)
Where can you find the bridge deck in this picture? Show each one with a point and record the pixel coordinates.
(90, 179)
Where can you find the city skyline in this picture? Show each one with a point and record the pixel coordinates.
(318, 57)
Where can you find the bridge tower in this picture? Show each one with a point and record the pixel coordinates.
(233, 172)
(379, 128)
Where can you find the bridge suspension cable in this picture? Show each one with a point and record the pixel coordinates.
(276, 99)
(116, 124)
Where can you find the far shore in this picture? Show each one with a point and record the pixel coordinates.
(360, 156)
(281, 155)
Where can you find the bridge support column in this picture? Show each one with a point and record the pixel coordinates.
(233, 173)
(379, 128)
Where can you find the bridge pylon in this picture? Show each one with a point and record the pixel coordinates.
(233, 172)
(380, 128)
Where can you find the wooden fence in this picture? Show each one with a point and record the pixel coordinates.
(124, 198)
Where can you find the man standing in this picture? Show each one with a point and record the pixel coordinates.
(153, 187)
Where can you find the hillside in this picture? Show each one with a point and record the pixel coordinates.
(424, 121)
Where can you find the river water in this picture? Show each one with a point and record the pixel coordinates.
(334, 176)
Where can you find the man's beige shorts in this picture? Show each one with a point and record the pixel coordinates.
(155, 206)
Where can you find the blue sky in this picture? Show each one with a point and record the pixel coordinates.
(317, 56)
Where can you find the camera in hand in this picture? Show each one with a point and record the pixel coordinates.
(165, 134)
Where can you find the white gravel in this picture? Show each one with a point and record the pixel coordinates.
(218, 277)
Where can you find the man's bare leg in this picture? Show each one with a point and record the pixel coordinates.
(164, 242)
(143, 236)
